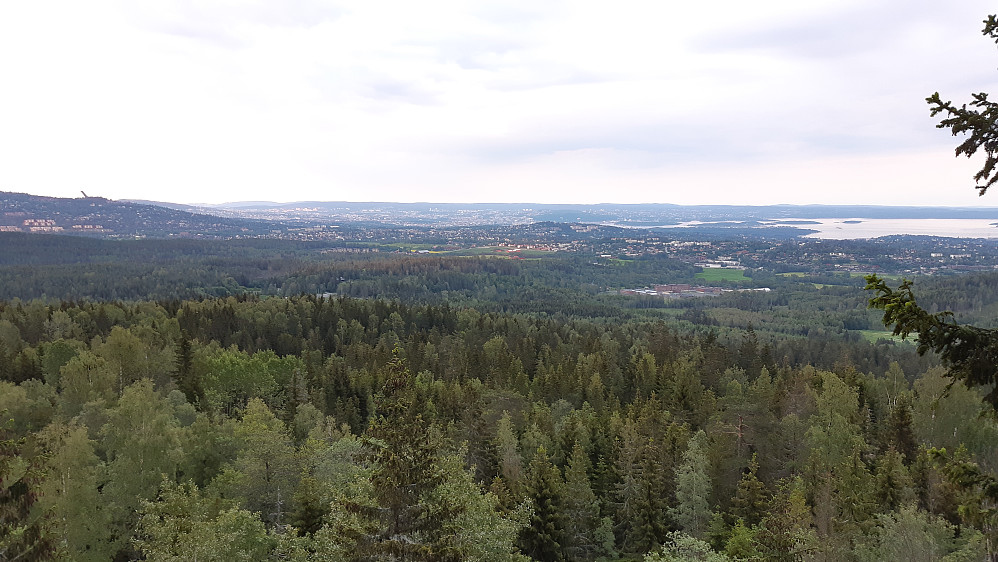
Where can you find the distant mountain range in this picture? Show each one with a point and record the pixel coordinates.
(97, 216)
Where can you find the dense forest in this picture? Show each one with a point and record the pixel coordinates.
(259, 402)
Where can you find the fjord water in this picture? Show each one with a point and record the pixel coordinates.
(851, 229)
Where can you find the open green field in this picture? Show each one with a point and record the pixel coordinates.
(722, 274)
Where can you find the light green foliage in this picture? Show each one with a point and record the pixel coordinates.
(55, 355)
(231, 378)
(307, 418)
(183, 525)
(142, 442)
(680, 547)
(947, 416)
(127, 356)
(77, 517)
(480, 532)
(508, 451)
(10, 337)
(693, 487)
(741, 543)
(916, 536)
(333, 463)
(207, 447)
(265, 471)
(86, 378)
(28, 406)
(832, 436)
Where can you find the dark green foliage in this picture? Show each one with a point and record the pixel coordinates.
(544, 538)
(186, 378)
(404, 454)
(581, 508)
(971, 353)
(312, 435)
(901, 433)
(751, 501)
(893, 485)
(310, 510)
(785, 533)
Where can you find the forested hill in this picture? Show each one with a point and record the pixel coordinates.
(96, 216)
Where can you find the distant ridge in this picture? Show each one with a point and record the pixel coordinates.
(107, 218)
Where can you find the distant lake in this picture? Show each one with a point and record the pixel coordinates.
(852, 228)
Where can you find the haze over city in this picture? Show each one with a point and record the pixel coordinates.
(568, 102)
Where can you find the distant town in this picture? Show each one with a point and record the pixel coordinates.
(729, 238)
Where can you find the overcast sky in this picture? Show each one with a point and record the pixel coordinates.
(535, 101)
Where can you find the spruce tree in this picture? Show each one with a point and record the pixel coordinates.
(185, 377)
(404, 454)
(581, 507)
(751, 501)
(544, 538)
(900, 429)
(693, 488)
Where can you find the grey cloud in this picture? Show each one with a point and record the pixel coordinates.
(730, 137)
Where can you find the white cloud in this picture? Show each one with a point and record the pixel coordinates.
(500, 101)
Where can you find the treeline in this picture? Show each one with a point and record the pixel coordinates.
(73, 268)
(314, 428)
